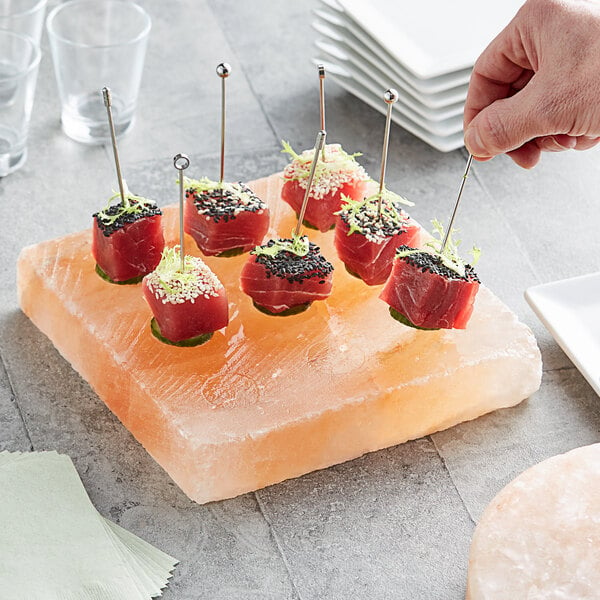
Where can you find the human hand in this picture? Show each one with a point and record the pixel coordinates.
(536, 87)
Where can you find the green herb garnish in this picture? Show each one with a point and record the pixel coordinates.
(449, 257)
(133, 204)
(169, 275)
(298, 245)
(335, 160)
(204, 184)
(287, 149)
(355, 209)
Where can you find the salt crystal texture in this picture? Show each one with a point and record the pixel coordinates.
(350, 379)
(539, 538)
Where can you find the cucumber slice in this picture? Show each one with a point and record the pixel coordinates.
(188, 343)
(405, 321)
(131, 281)
(308, 225)
(294, 310)
(231, 252)
(352, 272)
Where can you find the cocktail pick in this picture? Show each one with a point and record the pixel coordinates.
(319, 145)
(108, 103)
(460, 191)
(223, 71)
(390, 97)
(181, 162)
(321, 69)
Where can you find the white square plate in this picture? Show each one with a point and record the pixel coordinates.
(432, 37)
(570, 310)
(377, 82)
(436, 91)
(441, 143)
(446, 103)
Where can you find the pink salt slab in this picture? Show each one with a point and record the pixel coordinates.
(271, 398)
(539, 538)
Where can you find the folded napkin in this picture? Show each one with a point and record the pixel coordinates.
(55, 546)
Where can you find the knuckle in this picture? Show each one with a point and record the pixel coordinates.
(556, 111)
(496, 135)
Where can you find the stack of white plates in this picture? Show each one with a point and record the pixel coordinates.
(425, 49)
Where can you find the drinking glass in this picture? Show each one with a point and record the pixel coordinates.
(19, 61)
(96, 44)
(23, 16)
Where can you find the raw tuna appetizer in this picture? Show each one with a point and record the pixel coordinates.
(127, 239)
(430, 290)
(225, 219)
(366, 241)
(188, 305)
(336, 176)
(284, 276)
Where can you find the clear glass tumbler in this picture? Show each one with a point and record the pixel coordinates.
(96, 44)
(23, 16)
(19, 62)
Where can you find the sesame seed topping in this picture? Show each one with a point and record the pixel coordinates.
(428, 261)
(224, 201)
(170, 285)
(115, 217)
(295, 268)
(363, 218)
(338, 169)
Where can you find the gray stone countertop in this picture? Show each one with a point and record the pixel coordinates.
(392, 524)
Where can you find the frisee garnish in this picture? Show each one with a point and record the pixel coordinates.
(298, 245)
(336, 160)
(356, 211)
(363, 217)
(449, 257)
(204, 184)
(287, 149)
(234, 197)
(133, 205)
(170, 284)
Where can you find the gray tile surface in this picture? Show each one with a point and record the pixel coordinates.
(181, 98)
(369, 528)
(14, 436)
(482, 456)
(392, 524)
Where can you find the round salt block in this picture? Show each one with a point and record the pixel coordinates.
(539, 538)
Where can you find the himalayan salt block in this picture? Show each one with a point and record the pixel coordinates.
(270, 398)
(539, 538)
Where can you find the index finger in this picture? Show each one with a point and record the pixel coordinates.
(503, 63)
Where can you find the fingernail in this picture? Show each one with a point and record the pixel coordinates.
(552, 144)
(569, 144)
(473, 142)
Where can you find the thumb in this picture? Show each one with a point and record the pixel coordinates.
(505, 124)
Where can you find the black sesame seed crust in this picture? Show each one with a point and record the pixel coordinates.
(432, 263)
(145, 211)
(219, 204)
(383, 227)
(294, 268)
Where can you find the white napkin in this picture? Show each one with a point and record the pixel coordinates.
(55, 545)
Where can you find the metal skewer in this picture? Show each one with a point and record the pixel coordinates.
(321, 69)
(113, 137)
(181, 162)
(318, 147)
(390, 97)
(462, 187)
(223, 71)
